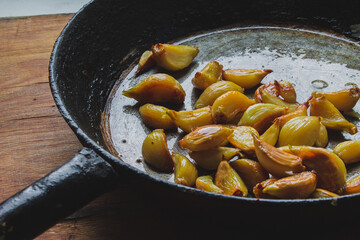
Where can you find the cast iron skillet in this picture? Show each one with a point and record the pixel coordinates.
(98, 45)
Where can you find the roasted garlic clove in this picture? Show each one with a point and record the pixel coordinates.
(258, 189)
(272, 88)
(269, 98)
(287, 91)
(185, 173)
(155, 151)
(330, 169)
(215, 90)
(348, 151)
(246, 78)
(343, 100)
(271, 134)
(174, 57)
(157, 88)
(242, 138)
(206, 137)
(261, 115)
(322, 193)
(332, 118)
(156, 116)
(146, 62)
(191, 119)
(251, 171)
(298, 186)
(206, 183)
(210, 74)
(353, 185)
(322, 139)
(277, 162)
(229, 181)
(298, 131)
(228, 105)
(210, 159)
(301, 110)
(275, 88)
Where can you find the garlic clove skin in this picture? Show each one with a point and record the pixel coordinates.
(299, 131)
(174, 57)
(206, 137)
(298, 186)
(348, 151)
(185, 173)
(206, 183)
(229, 181)
(211, 158)
(155, 151)
(246, 78)
(156, 116)
(210, 74)
(215, 90)
(227, 106)
(191, 119)
(157, 88)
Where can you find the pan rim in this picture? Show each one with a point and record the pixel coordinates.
(115, 162)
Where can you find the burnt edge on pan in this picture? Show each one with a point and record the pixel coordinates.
(313, 30)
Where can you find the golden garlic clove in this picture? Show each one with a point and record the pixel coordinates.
(277, 162)
(275, 88)
(258, 189)
(157, 88)
(287, 91)
(322, 139)
(155, 151)
(206, 137)
(210, 74)
(301, 110)
(298, 186)
(348, 151)
(272, 88)
(156, 116)
(322, 193)
(229, 181)
(343, 100)
(191, 119)
(332, 118)
(206, 183)
(298, 131)
(228, 105)
(261, 115)
(271, 134)
(242, 138)
(146, 62)
(251, 171)
(330, 169)
(215, 90)
(174, 57)
(269, 98)
(353, 185)
(185, 173)
(246, 78)
(210, 159)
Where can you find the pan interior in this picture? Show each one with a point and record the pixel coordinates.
(310, 60)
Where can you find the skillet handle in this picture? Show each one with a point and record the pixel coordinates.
(55, 196)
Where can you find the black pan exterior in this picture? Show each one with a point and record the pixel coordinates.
(105, 37)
